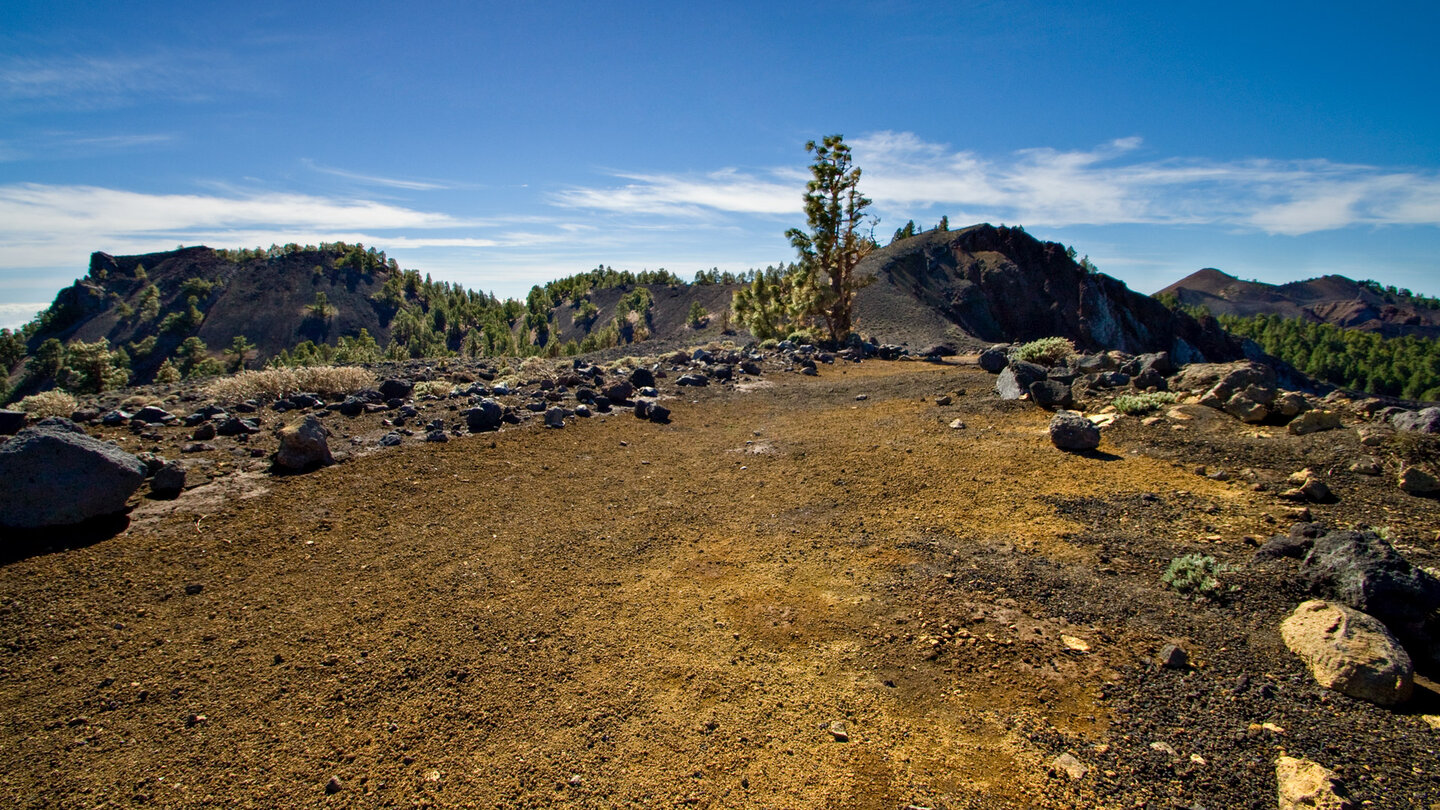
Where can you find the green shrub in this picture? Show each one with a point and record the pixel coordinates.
(1049, 351)
(1195, 575)
(1138, 404)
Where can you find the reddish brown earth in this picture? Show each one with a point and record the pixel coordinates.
(626, 614)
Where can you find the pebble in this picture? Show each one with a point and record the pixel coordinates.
(1067, 764)
(1172, 657)
(333, 786)
(839, 731)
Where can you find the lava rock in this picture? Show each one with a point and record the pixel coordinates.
(235, 426)
(642, 378)
(304, 446)
(169, 480)
(1172, 657)
(56, 475)
(486, 415)
(1362, 570)
(1051, 394)
(152, 415)
(1426, 420)
(1313, 422)
(1416, 481)
(1070, 430)
(395, 388)
(993, 359)
(1015, 379)
(555, 417)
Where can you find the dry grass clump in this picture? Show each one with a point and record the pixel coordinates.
(434, 388)
(49, 403)
(277, 383)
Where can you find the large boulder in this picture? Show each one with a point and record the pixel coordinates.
(1051, 394)
(1426, 420)
(1070, 430)
(1223, 380)
(303, 446)
(1015, 379)
(56, 475)
(1362, 570)
(1350, 652)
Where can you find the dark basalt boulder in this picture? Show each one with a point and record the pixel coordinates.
(56, 475)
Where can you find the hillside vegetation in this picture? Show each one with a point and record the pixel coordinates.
(1360, 360)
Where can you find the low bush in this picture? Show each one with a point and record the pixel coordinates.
(1138, 404)
(1051, 351)
(49, 403)
(1195, 575)
(277, 383)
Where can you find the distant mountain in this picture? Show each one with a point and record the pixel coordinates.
(1332, 299)
(998, 284)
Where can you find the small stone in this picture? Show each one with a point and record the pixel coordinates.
(956, 424)
(193, 588)
(1304, 785)
(1172, 657)
(1164, 748)
(1416, 481)
(333, 786)
(861, 397)
(1313, 422)
(839, 731)
(1075, 644)
(943, 401)
(1067, 764)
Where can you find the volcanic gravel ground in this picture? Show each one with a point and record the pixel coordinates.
(786, 597)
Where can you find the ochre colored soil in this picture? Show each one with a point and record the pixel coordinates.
(626, 614)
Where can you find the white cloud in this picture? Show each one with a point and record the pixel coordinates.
(16, 315)
(46, 225)
(726, 190)
(1105, 185)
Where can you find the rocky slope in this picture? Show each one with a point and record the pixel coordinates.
(1003, 285)
(1329, 299)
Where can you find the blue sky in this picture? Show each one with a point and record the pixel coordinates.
(501, 145)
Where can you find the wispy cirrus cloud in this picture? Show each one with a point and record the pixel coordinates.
(90, 82)
(1107, 185)
(375, 180)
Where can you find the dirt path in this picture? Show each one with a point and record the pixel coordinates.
(614, 614)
